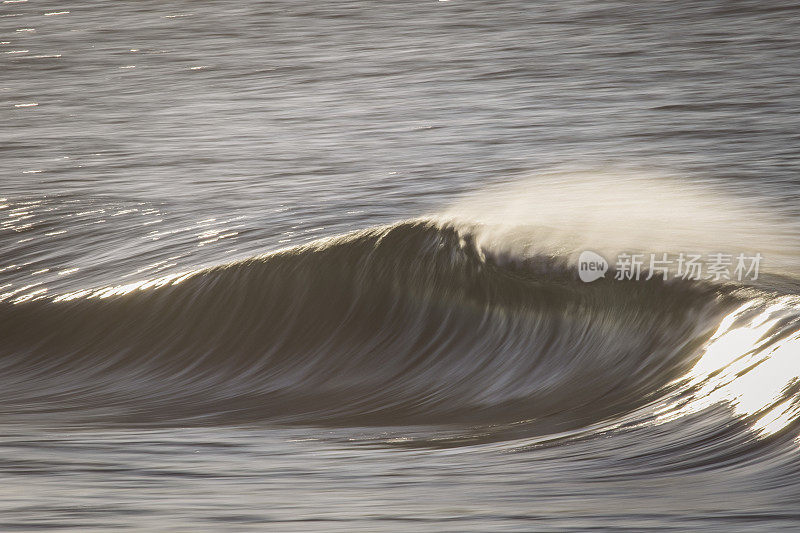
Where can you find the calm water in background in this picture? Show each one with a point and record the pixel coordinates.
(148, 139)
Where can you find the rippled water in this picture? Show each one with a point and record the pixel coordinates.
(312, 266)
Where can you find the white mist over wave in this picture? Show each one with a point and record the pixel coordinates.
(564, 212)
(749, 365)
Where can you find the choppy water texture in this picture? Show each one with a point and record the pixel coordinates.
(301, 266)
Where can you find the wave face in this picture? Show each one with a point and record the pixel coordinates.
(408, 324)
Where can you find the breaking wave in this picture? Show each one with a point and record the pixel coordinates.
(410, 324)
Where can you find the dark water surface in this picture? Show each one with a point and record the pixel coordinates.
(299, 266)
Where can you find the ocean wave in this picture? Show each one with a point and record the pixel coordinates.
(412, 323)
